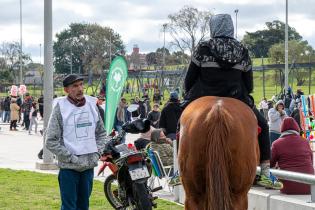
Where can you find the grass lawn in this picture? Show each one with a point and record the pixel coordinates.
(24, 190)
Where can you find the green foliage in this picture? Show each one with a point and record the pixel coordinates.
(171, 59)
(86, 46)
(161, 51)
(6, 77)
(299, 52)
(36, 191)
(259, 42)
(151, 59)
(178, 57)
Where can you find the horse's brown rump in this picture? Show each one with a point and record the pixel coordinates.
(218, 153)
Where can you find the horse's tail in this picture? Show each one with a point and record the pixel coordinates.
(218, 125)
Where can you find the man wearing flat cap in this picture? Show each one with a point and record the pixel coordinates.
(76, 135)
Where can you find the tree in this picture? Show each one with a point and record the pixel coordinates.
(10, 60)
(151, 59)
(259, 42)
(299, 52)
(188, 27)
(86, 47)
(159, 55)
(180, 57)
(161, 51)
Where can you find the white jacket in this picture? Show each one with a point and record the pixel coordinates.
(275, 120)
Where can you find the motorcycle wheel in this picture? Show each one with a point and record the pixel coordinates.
(141, 197)
(111, 192)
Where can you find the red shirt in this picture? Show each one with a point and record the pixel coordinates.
(293, 153)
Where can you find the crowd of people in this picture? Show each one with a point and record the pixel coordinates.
(165, 119)
(289, 150)
(21, 113)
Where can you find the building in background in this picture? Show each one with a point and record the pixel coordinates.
(136, 60)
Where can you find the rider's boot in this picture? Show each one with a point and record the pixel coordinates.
(268, 180)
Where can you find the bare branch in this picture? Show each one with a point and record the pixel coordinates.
(188, 27)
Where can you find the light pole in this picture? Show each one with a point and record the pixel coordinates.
(308, 53)
(68, 44)
(286, 49)
(48, 79)
(71, 59)
(110, 48)
(164, 28)
(20, 55)
(236, 12)
(108, 43)
(40, 64)
(40, 53)
(263, 68)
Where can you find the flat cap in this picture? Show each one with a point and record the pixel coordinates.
(70, 79)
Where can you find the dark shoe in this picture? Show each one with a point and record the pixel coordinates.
(40, 154)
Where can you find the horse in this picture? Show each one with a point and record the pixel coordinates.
(218, 153)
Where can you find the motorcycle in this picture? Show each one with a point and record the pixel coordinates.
(126, 187)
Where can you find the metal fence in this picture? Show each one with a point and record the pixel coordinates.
(296, 177)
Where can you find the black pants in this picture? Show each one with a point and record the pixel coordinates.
(263, 137)
(26, 120)
(13, 124)
(41, 111)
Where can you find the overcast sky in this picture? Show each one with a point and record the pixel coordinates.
(139, 21)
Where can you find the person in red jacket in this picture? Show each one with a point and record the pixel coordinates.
(291, 152)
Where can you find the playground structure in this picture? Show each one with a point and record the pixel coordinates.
(144, 81)
(140, 82)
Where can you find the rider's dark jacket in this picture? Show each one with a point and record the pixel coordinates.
(219, 67)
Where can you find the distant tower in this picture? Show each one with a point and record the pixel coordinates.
(136, 49)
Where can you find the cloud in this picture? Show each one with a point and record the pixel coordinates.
(139, 21)
(73, 7)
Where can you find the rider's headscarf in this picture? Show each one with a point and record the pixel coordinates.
(221, 25)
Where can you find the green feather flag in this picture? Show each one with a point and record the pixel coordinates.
(116, 78)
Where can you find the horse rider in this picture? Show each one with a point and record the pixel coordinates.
(222, 67)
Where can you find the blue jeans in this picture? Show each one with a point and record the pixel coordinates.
(287, 111)
(273, 136)
(26, 119)
(118, 128)
(171, 136)
(6, 116)
(75, 188)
